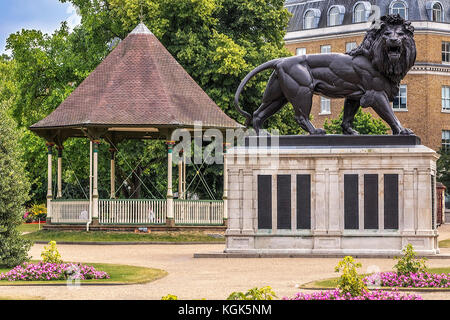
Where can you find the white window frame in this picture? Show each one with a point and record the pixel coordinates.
(354, 45)
(445, 47)
(446, 99)
(314, 18)
(431, 10)
(365, 13)
(399, 97)
(339, 16)
(333, 18)
(297, 51)
(405, 7)
(445, 144)
(325, 106)
(325, 46)
(440, 10)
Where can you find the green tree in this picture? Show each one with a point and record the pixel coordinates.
(217, 41)
(443, 169)
(364, 123)
(14, 188)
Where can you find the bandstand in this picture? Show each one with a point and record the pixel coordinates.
(139, 91)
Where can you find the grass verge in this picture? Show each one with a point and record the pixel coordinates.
(29, 227)
(331, 283)
(119, 274)
(103, 236)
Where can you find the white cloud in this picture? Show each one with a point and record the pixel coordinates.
(74, 19)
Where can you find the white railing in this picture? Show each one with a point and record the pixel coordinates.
(200, 212)
(132, 211)
(70, 211)
(137, 211)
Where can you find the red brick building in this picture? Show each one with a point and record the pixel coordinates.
(338, 25)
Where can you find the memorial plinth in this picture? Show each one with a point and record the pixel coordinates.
(367, 195)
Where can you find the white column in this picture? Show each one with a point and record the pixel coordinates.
(184, 175)
(60, 150)
(225, 185)
(113, 173)
(170, 212)
(180, 178)
(95, 144)
(49, 180)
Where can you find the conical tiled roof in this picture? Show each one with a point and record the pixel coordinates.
(138, 84)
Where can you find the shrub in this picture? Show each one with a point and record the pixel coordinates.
(409, 263)
(350, 282)
(50, 254)
(364, 123)
(14, 186)
(264, 293)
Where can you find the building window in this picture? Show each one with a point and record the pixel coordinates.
(400, 102)
(336, 15)
(325, 49)
(349, 46)
(325, 105)
(311, 19)
(446, 99)
(446, 52)
(446, 140)
(361, 11)
(400, 8)
(300, 51)
(435, 12)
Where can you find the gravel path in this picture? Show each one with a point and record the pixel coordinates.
(191, 278)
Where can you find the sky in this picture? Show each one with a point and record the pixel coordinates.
(44, 15)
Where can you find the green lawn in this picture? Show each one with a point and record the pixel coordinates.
(331, 283)
(119, 274)
(83, 236)
(28, 227)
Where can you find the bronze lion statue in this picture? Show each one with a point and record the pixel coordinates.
(367, 76)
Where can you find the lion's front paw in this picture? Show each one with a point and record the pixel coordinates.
(406, 132)
(350, 131)
(318, 131)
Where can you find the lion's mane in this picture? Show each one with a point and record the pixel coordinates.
(375, 50)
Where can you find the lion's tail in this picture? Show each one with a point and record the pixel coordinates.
(268, 65)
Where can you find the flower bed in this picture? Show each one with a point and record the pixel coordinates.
(367, 295)
(411, 280)
(52, 271)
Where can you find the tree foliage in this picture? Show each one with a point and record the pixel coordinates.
(217, 42)
(14, 188)
(364, 123)
(443, 169)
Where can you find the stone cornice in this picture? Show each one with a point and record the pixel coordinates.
(359, 29)
(430, 68)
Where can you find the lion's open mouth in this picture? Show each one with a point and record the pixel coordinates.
(394, 51)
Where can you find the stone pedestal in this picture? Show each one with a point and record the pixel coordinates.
(367, 195)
